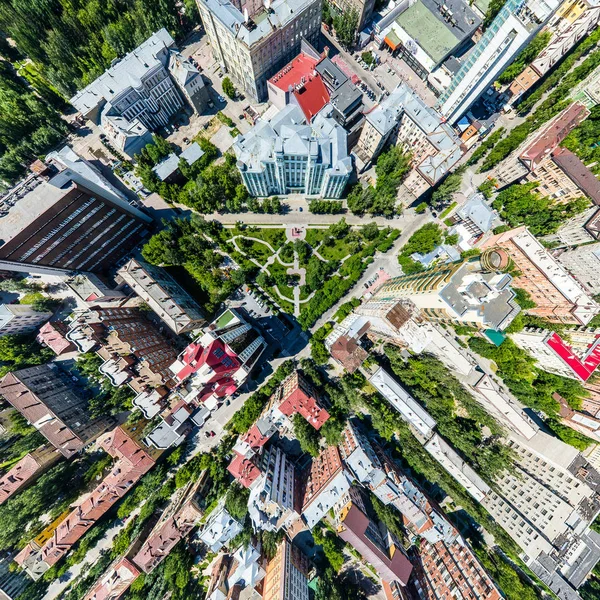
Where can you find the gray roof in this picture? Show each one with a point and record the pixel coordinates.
(166, 167)
(489, 295)
(477, 211)
(288, 132)
(453, 255)
(345, 96)
(386, 114)
(125, 73)
(192, 153)
(332, 75)
(262, 24)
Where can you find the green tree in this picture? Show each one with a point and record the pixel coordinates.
(307, 435)
(236, 501)
(446, 189)
(345, 25)
(228, 87)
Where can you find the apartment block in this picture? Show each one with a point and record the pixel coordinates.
(12, 583)
(27, 470)
(115, 582)
(17, 319)
(220, 528)
(287, 574)
(473, 292)
(49, 400)
(323, 482)
(404, 118)
(252, 41)
(141, 92)
(132, 463)
(513, 28)
(290, 154)
(62, 225)
(163, 294)
(583, 263)
(579, 229)
(573, 20)
(374, 544)
(219, 361)
(558, 296)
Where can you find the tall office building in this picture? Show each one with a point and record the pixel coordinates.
(67, 224)
(251, 41)
(466, 292)
(513, 28)
(287, 574)
(46, 397)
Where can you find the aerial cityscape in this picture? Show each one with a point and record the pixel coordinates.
(300, 300)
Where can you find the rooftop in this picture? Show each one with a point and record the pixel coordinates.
(311, 96)
(552, 135)
(301, 67)
(583, 367)
(572, 166)
(478, 212)
(52, 334)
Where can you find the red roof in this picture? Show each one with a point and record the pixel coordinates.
(582, 368)
(244, 470)
(113, 584)
(254, 438)
(312, 96)
(53, 335)
(292, 74)
(217, 355)
(299, 402)
(18, 476)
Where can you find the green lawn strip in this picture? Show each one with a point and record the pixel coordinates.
(275, 237)
(338, 251)
(314, 236)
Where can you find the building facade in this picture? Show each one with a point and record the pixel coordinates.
(558, 296)
(471, 292)
(47, 398)
(573, 20)
(62, 226)
(513, 28)
(579, 229)
(583, 263)
(163, 294)
(251, 41)
(287, 574)
(20, 318)
(285, 155)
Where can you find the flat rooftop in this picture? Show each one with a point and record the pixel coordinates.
(291, 75)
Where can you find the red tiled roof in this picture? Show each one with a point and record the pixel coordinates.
(582, 368)
(292, 74)
(312, 97)
(214, 355)
(553, 134)
(348, 353)
(244, 470)
(254, 438)
(52, 334)
(299, 402)
(113, 584)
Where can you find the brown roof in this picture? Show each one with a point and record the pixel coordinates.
(578, 173)
(53, 334)
(593, 225)
(348, 353)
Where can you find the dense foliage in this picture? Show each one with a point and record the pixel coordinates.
(422, 241)
(444, 192)
(519, 204)
(534, 387)
(326, 207)
(488, 143)
(392, 168)
(539, 42)
(583, 140)
(21, 351)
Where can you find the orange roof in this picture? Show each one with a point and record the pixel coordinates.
(292, 74)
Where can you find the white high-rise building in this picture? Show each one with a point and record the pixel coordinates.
(513, 28)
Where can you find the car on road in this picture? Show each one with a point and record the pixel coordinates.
(221, 99)
(300, 209)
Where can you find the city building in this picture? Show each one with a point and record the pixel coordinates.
(93, 290)
(472, 220)
(472, 292)
(443, 570)
(53, 335)
(374, 543)
(287, 574)
(20, 318)
(404, 118)
(141, 92)
(579, 229)
(175, 523)
(557, 295)
(515, 25)
(286, 155)
(577, 360)
(583, 263)
(219, 361)
(252, 41)
(364, 8)
(132, 347)
(427, 33)
(573, 20)
(62, 225)
(132, 462)
(27, 470)
(220, 528)
(163, 295)
(50, 401)
(323, 482)
(12, 584)
(168, 170)
(587, 92)
(115, 582)
(296, 395)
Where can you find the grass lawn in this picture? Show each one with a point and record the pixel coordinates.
(314, 236)
(31, 297)
(275, 236)
(338, 251)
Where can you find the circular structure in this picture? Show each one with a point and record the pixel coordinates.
(495, 259)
